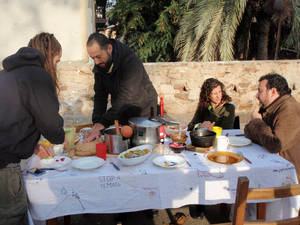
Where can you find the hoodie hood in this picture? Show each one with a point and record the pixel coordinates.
(24, 57)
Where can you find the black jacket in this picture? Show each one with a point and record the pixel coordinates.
(132, 92)
(29, 106)
(222, 115)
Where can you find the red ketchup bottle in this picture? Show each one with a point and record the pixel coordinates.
(162, 128)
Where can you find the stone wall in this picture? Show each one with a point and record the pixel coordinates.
(179, 84)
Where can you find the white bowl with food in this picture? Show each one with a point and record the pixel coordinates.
(136, 155)
(59, 162)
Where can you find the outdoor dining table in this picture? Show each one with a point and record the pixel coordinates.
(147, 186)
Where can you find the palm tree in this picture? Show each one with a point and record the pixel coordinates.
(223, 29)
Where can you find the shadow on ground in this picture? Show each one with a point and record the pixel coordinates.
(213, 214)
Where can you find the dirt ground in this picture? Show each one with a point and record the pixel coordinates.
(213, 214)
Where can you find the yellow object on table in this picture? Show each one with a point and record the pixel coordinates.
(45, 143)
(217, 130)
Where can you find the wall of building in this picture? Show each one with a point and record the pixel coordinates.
(69, 20)
(179, 84)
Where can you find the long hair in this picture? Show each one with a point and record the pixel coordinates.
(207, 87)
(49, 46)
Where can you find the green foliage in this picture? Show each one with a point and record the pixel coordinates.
(148, 27)
(293, 40)
(207, 30)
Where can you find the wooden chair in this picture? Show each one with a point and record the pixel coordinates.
(244, 193)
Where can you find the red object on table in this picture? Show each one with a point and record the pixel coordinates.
(101, 150)
(162, 128)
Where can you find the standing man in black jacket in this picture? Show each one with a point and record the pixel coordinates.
(28, 108)
(120, 73)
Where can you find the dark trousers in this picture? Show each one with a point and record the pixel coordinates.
(13, 201)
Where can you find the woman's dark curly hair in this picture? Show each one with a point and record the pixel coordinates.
(207, 87)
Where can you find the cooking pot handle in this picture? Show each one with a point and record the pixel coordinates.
(163, 121)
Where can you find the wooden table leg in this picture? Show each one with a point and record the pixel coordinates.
(171, 217)
(261, 209)
(53, 221)
(67, 220)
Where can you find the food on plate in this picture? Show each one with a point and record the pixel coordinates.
(179, 137)
(174, 129)
(83, 149)
(176, 145)
(135, 153)
(76, 140)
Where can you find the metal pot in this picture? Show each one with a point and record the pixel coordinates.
(144, 131)
(202, 137)
(115, 143)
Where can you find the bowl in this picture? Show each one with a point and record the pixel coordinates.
(57, 162)
(177, 147)
(202, 138)
(181, 138)
(174, 129)
(136, 155)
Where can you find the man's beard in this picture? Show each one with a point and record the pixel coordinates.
(107, 66)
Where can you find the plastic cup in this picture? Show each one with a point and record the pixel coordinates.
(70, 136)
(101, 150)
(217, 130)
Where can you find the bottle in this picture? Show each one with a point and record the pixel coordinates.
(162, 128)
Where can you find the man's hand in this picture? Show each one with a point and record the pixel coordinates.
(255, 114)
(94, 132)
(42, 152)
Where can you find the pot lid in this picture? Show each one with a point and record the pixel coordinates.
(144, 122)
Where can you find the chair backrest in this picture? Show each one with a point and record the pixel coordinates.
(236, 123)
(245, 193)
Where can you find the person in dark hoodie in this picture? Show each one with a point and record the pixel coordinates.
(119, 72)
(29, 108)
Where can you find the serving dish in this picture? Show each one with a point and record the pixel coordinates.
(174, 129)
(87, 163)
(202, 137)
(177, 147)
(226, 158)
(136, 155)
(59, 162)
(239, 141)
(179, 137)
(169, 161)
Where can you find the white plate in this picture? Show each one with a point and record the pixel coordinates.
(239, 141)
(87, 163)
(169, 161)
(135, 160)
(59, 162)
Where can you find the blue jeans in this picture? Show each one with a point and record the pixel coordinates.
(13, 201)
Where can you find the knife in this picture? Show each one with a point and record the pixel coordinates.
(247, 160)
(116, 167)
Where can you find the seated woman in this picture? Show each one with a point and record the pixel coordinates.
(214, 107)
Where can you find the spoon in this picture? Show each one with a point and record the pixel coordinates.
(117, 127)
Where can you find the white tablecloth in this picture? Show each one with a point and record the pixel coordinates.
(146, 186)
